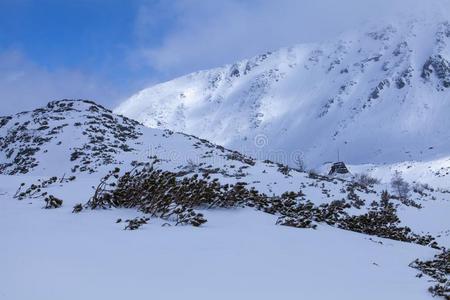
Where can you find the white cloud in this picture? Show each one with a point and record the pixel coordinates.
(211, 33)
(25, 85)
(172, 38)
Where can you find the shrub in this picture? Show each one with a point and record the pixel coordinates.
(439, 269)
(400, 186)
(365, 179)
(52, 202)
(77, 208)
(135, 223)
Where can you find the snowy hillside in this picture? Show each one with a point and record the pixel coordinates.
(83, 139)
(97, 173)
(236, 255)
(73, 137)
(378, 96)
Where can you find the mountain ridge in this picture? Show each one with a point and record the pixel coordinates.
(377, 97)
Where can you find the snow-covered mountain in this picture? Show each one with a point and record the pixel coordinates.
(376, 96)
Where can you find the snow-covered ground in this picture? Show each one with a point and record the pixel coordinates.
(434, 172)
(238, 254)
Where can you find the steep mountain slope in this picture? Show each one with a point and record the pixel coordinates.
(379, 96)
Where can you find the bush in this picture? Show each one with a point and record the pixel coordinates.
(422, 188)
(52, 202)
(77, 208)
(400, 186)
(173, 197)
(135, 223)
(365, 179)
(168, 195)
(439, 269)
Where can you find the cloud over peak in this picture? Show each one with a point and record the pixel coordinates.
(212, 33)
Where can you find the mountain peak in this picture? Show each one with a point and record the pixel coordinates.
(377, 95)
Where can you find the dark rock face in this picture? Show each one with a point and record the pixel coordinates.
(4, 121)
(338, 168)
(440, 67)
(404, 79)
(380, 87)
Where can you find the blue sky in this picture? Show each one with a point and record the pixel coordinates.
(93, 36)
(73, 33)
(93, 44)
(106, 50)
